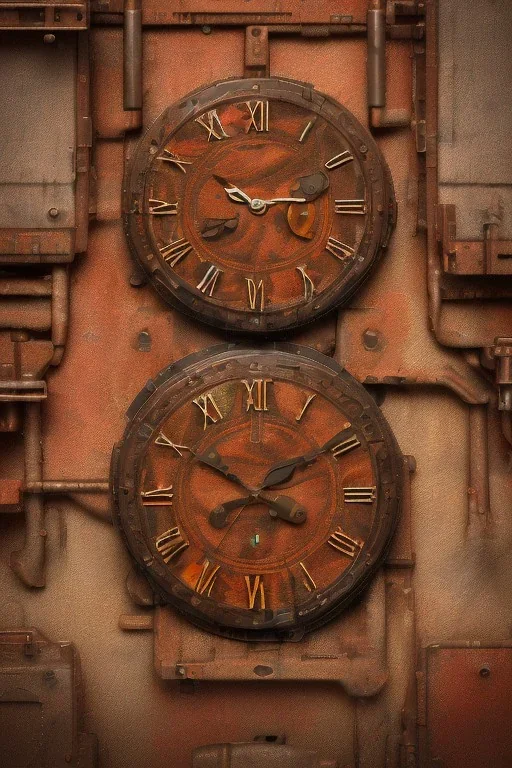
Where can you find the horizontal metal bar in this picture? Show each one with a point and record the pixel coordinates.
(67, 486)
(24, 391)
(19, 286)
(62, 5)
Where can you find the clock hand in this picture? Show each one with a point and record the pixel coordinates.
(282, 471)
(234, 193)
(275, 200)
(213, 459)
(282, 507)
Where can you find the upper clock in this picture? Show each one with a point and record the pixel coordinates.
(257, 205)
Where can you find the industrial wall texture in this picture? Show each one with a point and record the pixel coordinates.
(139, 626)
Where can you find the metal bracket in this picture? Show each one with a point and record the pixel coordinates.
(257, 54)
(46, 16)
(489, 256)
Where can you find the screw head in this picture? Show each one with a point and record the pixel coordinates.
(48, 38)
(53, 212)
(485, 671)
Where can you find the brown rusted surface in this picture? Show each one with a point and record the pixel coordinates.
(467, 700)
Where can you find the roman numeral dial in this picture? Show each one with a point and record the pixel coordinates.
(258, 486)
(257, 207)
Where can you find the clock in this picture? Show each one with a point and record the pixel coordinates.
(257, 489)
(257, 205)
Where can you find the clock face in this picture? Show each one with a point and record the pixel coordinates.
(257, 204)
(257, 489)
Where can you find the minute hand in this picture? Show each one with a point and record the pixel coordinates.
(283, 471)
(284, 200)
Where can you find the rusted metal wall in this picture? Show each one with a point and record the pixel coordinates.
(416, 673)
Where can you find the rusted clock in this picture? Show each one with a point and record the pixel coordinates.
(257, 205)
(257, 489)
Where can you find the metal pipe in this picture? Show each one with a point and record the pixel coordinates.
(132, 55)
(29, 562)
(60, 312)
(380, 117)
(19, 286)
(67, 486)
(376, 62)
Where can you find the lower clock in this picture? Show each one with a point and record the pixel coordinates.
(257, 488)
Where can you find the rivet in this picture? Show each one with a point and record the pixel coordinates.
(53, 212)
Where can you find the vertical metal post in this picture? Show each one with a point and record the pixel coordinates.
(376, 64)
(132, 55)
(29, 562)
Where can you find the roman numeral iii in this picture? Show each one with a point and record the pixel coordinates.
(356, 207)
(359, 495)
(157, 497)
(345, 447)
